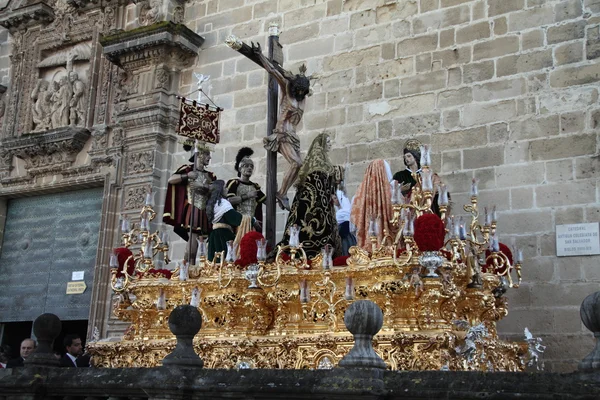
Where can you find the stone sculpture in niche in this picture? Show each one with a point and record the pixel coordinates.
(60, 103)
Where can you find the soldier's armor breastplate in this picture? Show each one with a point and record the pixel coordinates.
(199, 199)
(247, 207)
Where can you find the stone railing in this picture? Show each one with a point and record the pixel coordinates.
(361, 374)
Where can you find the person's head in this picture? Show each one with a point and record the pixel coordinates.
(218, 191)
(299, 85)
(63, 80)
(317, 158)
(5, 354)
(73, 76)
(202, 158)
(243, 163)
(44, 85)
(27, 347)
(73, 345)
(411, 158)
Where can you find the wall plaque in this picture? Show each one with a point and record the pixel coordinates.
(76, 287)
(578, 239)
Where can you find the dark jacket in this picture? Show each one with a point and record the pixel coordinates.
(15, 362)
(65, 361)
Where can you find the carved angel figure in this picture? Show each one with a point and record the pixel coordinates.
(61, 98)
(534, 349)
(41, 106)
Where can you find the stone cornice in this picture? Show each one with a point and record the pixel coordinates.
(29, 15)
(151, 43)
(49, 152)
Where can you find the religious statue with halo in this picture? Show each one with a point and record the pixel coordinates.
(284, 139)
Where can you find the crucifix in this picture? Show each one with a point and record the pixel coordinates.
(281, 127)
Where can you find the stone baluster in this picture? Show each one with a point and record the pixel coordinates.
(46, 328)
(590, 315)
(185, 322)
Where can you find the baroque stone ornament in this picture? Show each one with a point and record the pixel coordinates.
(51, 151)
(140, 162)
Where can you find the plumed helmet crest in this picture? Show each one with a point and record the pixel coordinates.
(244, 152)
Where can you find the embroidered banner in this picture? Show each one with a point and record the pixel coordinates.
(197, 121)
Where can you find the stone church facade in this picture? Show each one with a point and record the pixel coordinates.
(505, 91)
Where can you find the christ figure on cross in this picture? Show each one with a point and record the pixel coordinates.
(283, 139)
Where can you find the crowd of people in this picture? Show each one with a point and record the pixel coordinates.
(74, 354)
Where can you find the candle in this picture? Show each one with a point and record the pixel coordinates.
(304, 291)
(495, 243)
(125, 225)
(409, 228)
(519, 257)
(349, 293)
(184, 271)
(443, 197)
(394, 198)
(147, 249)
(488, 217)
(294, 236)
(462, 232)
(494, 215)
(161, 302)
(113, 261)
(149, 199)
(427, 181)
(195, 300)
(474, 190)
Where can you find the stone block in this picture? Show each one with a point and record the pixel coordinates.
(532, 39)
(498, 133)
(264, 9)
(423, 83)
(500, 26)
(451, 57)
(519, 175)
(497, 7)
(592, 5)
(454, 76)
(250, 114)
(327, 119)
(565, 100)
(386, 149)
(300, 33)
(483, 157)
(538, 321)
(594, 119)
(302, 15)
(516, 152)
(572, 122)
(565, 193)
(559, 171)
(363, 18)
(311, 48)
(521, 198)
(334, 7)
(452, 98)
(391, 88)
(397, 10)
(385, 129)
(570, 9)
(532, 18)
(451, 119)
(458, 182)
(570, 295)
(441, 19)
(499, 89)
(416, 45)
(451, 161)
(423, 63)
(563, 147)
(363, 133)
(388, 51)
(335, 25)
(447, 38)
(412, 105)
(479, 10)
(354, 114)
(450, 3)
(471, 33)
(428, 123)
(495, 47)
(390, 69)
(565, 32)
(336, 80)
(587, 167)
(535, 128)
(592, 43)
(483, 113)
(527, 62)
(357, 94)
(459, 139)
(568, 53)
(429, 5)
(477, 72)
(401, 29)
(569, 215)
(352, 59)
(531, 221)
(487, 180)
(356, 5)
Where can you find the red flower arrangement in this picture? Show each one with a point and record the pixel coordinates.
(123, 253)
(156, 272)
(429, 232)
(489, 266)
(248, 248)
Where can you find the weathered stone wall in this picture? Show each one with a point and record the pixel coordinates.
(505, 91)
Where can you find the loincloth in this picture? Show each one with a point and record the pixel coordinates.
(273, 141)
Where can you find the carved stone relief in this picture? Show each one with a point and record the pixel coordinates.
(150, 12)
(162, 78)
(135, 197)
(140, 162)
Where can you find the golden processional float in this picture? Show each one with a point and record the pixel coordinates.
(440, 304)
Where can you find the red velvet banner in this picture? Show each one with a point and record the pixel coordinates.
(197, 121)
